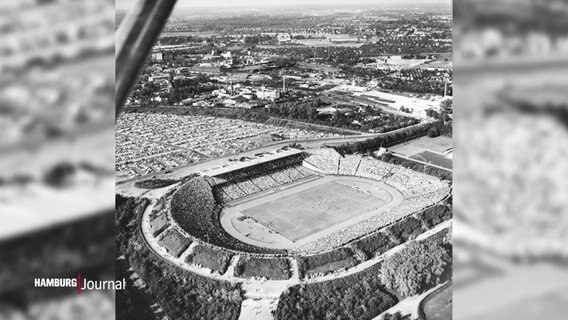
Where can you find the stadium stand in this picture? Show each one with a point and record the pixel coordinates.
(325, 159)
(197, 204)
(195, 209)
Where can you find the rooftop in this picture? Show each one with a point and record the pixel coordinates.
(238, 165)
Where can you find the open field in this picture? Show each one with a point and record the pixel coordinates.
(434, 158)
(300, 214)
(443, 61)
(417, 105)
(438, 144)
(289, 216)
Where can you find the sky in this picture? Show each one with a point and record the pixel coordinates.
(125, 4)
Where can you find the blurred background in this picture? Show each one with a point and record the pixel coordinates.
(56, 156)
(511, 141)
(510, 173)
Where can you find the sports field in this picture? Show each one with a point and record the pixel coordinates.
(434, 158)
(299, 213)
(438, 144)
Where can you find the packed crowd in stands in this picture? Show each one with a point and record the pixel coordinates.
(325, 159)
(370, 170)
(409, 182)
(257, 168)
(196, 211)
(418, 191)
(258, 177)
(349, 165)
(242, 188)
(264, 182)
(196, 206)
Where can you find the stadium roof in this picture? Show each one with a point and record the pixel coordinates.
(263, 158)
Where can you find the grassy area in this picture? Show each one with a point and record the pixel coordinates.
(434, 158)
(270, 268)
(174, 242)
(443, 61)
(154, 183)
(207, 257)
(438, 305)
(409, 148)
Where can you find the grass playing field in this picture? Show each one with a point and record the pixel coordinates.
(296, 215)
(434, 158)
(438, 144)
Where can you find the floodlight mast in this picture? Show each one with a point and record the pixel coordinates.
(135, 37)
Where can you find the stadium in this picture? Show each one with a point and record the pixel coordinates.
(291, 214)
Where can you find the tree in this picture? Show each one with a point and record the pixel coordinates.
(419, 266)
(446, 106)
(395, 316)
(433, 132)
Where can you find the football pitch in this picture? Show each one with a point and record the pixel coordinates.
(297, 214)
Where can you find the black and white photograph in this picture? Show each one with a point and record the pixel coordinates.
(286, 160)
(283, 159)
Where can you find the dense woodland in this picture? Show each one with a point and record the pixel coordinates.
(269, 268)
(324, 263)
(385, 140)
(358, 296)
(368, 293)
(374, 244)
(154, 183)
(350, 56)
(355, 119)
(404, 230)
(134, 302)
(419, 81)
(436, 214)
(418, 267)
